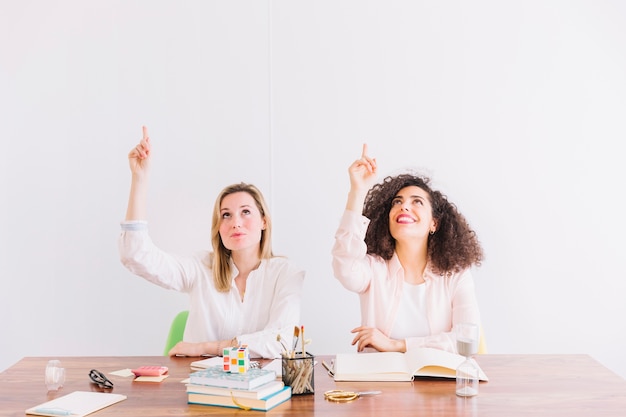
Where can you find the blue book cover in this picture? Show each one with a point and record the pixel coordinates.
(215, 376)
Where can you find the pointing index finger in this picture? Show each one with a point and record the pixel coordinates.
(371, 162)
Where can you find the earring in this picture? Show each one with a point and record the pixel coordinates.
(432, 232)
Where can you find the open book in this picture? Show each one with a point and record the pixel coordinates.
(396, 366)
(206, 363)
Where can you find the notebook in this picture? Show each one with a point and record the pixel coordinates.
(76, 404)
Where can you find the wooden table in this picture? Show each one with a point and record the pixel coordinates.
(519, 385)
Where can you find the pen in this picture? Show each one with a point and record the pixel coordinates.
(296, 336)
(53, 411)
(328, 368)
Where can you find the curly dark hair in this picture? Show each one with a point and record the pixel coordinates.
(452, 248)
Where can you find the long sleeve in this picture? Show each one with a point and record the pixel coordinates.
(141, 257)
(350, 263)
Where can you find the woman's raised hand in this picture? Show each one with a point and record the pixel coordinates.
(363, 172)
(139, 156)
(139, 161)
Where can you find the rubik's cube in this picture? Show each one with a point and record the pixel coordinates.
(236, 359)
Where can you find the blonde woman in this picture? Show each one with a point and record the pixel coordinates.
(240, 293)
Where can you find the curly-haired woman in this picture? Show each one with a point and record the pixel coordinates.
(407, 251)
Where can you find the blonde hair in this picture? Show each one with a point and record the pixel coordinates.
(220, 259)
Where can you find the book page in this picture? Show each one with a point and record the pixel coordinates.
(419, 358)
(372, 366)
(207, 363)
(435, 363)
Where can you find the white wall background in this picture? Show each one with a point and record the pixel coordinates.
(516, 109)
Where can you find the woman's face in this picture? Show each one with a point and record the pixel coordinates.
(411, 214)
(241, 223)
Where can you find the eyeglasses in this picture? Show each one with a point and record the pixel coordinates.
(99, 379)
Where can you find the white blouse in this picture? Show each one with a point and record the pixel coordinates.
(271, 304)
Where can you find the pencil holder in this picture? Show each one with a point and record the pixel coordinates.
(298, 373)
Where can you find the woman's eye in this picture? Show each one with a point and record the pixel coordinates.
(225, 215)
(396, 202)
(246, 211)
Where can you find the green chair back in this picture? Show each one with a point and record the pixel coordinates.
(177, 329)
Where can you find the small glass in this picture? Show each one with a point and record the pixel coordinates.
(467, 373)
(55, 375)
(298, 373)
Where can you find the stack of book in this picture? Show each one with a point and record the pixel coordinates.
(257, 389)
